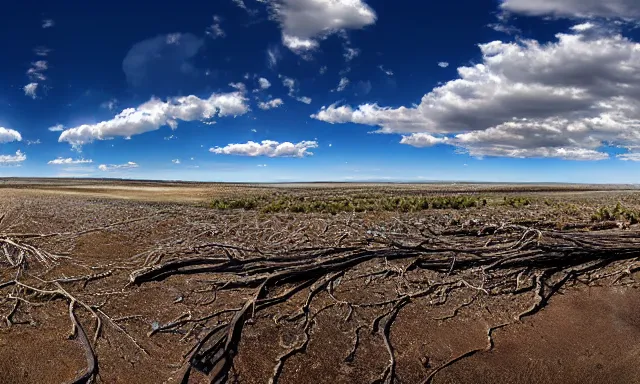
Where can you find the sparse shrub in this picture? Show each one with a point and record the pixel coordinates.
(349, 203)
(617, 213)
(517, 202)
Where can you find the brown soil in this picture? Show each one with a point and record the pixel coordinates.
(587, 334)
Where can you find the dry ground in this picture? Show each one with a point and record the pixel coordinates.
(588, 333)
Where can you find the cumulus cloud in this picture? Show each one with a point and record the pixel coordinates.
(305, 22)
(156, 113)
(566, 99)
(623, 9)
(275, 103)
(583, 27)
(350, 53)
(48, 23)
(629, 156)
(292, 86)
(240, 87)
(264, 83)
(9, 135)
(56, 128)
(31, 90)
(35, 72)
(297, 44)
(267, 148)
(215, 30)
(68, 161)
(289, 83)
(443, 64)
(16, 159)
(175, 161)
(117, 167)
(422, 140)
(342, 85)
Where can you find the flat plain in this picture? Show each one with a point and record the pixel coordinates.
(152, 282)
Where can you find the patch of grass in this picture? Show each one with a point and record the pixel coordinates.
(352, 203)
(247, 203)
(617, 213)
(517, 202)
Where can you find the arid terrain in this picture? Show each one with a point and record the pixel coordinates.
(149, 282)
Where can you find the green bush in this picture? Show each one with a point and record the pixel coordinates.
(353, 203)
(517, 202)
(617, 213)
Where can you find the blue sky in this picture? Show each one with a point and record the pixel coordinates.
(322, 90)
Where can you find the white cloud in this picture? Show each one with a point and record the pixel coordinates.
(564, 99)
(31, 90)
(240, 3)
(297, 44)
(48, 23)
(583, 27)
(68, 161)
(275, 103)
(504, 28)
(350, 53)
(422, 140)
(386, 71)
(215, 30)
(117, 167)
(273, 56)
(623, 9)
(264, 83)
(175, 161)
(240, 87)
(33, 142)
(9, 135)
(629, 157)
(342, 85)
(305, 22)
(35, 72)
(443, 64)
(267, 148)
(323, 69)
(18, 158)
(292, 86)
(262, 165)
(56, 128)
(156, 113)
(110, 104)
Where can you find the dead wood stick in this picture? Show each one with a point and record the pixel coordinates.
(92, 361)
(119, 328)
